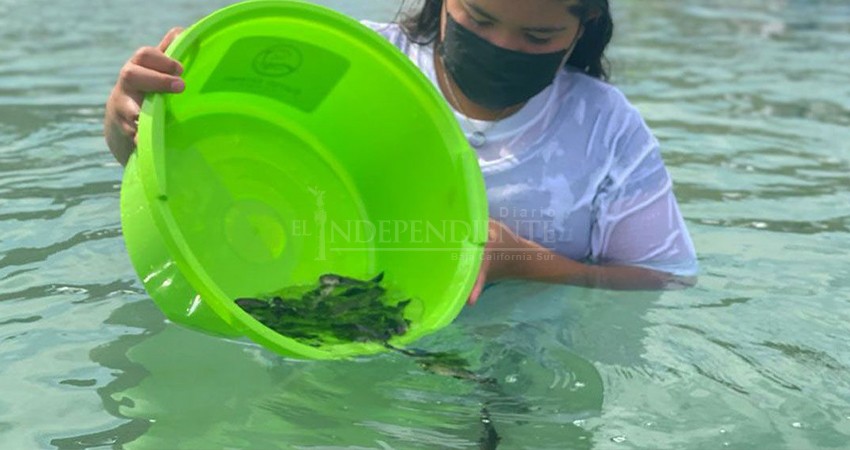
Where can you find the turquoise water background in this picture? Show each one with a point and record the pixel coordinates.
(751, 101)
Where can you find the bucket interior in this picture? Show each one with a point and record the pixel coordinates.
(284, 160)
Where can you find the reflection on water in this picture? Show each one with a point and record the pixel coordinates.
(751, 104)
(179, 386)
(112, 355)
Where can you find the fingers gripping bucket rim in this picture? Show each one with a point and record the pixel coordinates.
(167, 263)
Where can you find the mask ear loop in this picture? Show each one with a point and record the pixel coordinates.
(439, 42)
(441, 33)
(572, 48)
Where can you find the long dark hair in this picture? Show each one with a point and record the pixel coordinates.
(423, 26)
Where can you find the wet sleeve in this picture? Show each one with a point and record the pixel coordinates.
(636, 217)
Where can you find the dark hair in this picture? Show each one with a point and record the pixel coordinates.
(423, 27)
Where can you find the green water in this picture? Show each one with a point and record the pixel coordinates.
(751, 101)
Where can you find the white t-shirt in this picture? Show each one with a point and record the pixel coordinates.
(578, 171)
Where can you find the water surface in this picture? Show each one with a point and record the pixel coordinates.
(751, 102)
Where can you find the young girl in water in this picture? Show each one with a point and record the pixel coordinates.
(577, 190)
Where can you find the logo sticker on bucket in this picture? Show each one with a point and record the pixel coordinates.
(293, 72)
(277, 61)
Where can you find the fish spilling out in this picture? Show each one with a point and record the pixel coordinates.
(340, 309)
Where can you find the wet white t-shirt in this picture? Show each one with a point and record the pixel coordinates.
(577, 171)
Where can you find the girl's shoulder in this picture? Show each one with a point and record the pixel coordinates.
(391, 31)
(616, 134)
(594, 95)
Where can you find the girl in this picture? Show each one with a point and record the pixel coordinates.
(578, 192)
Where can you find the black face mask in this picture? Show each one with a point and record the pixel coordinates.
(492, 76)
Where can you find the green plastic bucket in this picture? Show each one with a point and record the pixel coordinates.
(304, 144)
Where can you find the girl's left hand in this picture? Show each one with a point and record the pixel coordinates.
(501, 243)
